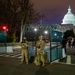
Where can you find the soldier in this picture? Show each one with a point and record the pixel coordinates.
(24, 51)
(40, 44)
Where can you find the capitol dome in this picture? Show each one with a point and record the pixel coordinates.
(69, 18)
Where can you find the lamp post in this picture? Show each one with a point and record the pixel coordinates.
(46, 37)
(5, 32)
(35, 30)
(50, 33)
(55, 34)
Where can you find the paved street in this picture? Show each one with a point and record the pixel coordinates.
(11, 66)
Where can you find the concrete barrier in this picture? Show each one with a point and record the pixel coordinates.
(68, 59)
(2, 49)
(63, 53)
(7, 49)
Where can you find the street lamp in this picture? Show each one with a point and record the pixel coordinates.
(46, 38)
(50, 33)
(35, 30)
(55, 34)
(46, 32)
(4, 28)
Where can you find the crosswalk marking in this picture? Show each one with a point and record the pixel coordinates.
(15, 54)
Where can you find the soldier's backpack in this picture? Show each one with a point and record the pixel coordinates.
(31, 60)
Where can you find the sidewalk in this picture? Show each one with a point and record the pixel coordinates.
(11, 66)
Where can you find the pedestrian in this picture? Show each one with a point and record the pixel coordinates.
(67, 44)
(24, 51)
(72, 43)
(40, 45)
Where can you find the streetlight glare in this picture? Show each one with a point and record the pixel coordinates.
(55, 34)
(35, 29)
(46, 32)
(62, 36)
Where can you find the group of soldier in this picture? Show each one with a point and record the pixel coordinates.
(39, 58)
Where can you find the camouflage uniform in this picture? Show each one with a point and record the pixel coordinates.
(24, 52)
(40, 44)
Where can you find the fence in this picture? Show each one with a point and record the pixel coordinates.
(56, 50)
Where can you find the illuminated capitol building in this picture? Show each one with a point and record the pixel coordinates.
(68, 22)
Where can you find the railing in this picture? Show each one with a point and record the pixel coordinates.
(56, 52)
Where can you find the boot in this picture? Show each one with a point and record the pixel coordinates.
(27, 63)
(43, 64)
(21, 62)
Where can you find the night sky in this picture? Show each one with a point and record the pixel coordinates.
(54, 10)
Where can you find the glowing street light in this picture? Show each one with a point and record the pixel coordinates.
(55, 34)
(46, 32)
(35, 29)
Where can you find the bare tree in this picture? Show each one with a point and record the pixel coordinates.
(17, 13)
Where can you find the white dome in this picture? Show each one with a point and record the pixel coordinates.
(69, 18)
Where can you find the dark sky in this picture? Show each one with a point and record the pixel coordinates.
(54, 10)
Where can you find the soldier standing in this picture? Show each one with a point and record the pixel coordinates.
(40, 44)
(24, 51)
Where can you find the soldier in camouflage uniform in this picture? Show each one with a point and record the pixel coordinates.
(40, 44)
(24, 51)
